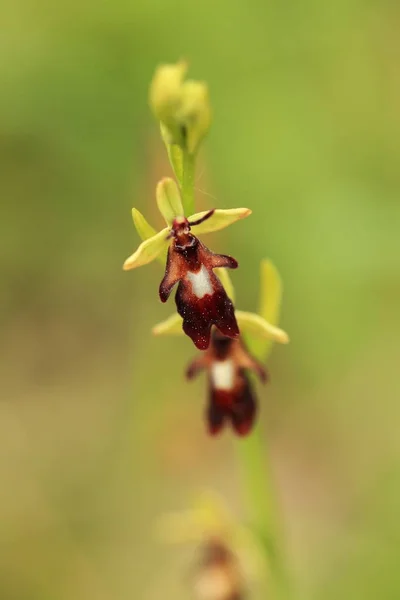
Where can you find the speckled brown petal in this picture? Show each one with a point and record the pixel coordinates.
(199, 314)
(200, 299)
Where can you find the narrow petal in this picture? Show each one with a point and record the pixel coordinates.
(169, 200)
(220, 219)
(148, 250)
(223, 275)
(256, 325)
(173, 273)
(171, 326)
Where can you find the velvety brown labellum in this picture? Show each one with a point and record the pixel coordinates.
(200, 299)
(231, 397)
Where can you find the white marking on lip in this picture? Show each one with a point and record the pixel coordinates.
(200, 281)
(223, 374)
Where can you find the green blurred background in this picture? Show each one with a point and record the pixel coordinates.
(99, 434)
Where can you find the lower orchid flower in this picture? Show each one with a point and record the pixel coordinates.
(231, 396)
(201, 299)
(230, 560)
(218, 574)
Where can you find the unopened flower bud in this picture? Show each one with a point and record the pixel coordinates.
(183, 108)
(166, 97)
(195, 113)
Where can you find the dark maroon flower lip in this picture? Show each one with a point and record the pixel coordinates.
(200, 299)
(231, 398)
(200, 314)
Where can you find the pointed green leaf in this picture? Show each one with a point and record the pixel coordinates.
(219, 220)
(169, 200)
(171, 326)
(255, 325)
(146, 231)
(148, 250)
(226, 281)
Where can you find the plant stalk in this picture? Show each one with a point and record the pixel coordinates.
(262, 509)
(188, 183)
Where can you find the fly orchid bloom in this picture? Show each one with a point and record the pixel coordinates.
(231, 398)
(230, 558)
(218, 574)
(201, 299)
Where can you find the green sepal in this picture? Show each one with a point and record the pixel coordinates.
(269, 307)
(254, 325)
(169, 200)
(146, 231)
(148, 250)
(219, 220)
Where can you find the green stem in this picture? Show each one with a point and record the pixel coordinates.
(188, 183)
(260, 500)
(257, 485)
(260, 496)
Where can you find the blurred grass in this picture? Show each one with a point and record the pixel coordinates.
(98, 432)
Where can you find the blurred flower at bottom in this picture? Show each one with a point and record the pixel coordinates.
(217, 574)
(228, 559)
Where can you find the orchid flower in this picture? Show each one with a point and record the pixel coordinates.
(231, 396)
(201, 299)
(231, 555)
